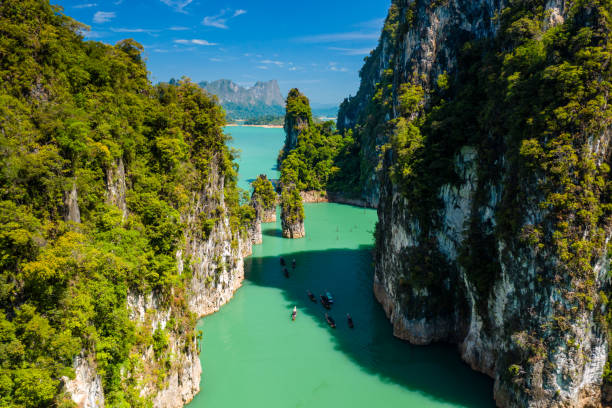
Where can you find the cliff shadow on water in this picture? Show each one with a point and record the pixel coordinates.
(435, 371)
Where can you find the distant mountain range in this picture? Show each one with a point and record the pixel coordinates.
(263, 99)
(261, 103)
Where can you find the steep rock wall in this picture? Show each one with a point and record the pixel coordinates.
(515, 325)
(86, 388)
(216, 267)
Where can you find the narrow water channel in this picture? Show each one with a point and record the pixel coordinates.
(253, 355)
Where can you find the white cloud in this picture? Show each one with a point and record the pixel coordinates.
(333, 66)
(270, 62)
(177, 5)
(220, 20)
(262, 67)
(134, 30)
(337, 37)
(103, 16)
(215, 59)
(352, 51)
(92, 34)
(194, 41)
(201, 42)
(179, 28)
(87, 5)
(215, 21)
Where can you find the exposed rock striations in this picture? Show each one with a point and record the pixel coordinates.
(494, 237)
(292, 213)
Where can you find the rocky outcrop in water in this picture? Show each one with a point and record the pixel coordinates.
(292, 213)
(263, 200)
(472, 245)
(293, 230)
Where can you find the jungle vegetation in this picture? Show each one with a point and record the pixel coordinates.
(70, 110)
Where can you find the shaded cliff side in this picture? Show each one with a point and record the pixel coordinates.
(489, 128)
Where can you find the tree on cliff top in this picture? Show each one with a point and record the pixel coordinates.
(298, 109)
(298, 119)
(263, 193)
(292, 206)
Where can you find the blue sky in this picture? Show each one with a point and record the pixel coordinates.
(315, 45)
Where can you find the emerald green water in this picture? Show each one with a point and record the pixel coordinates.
(253, 355)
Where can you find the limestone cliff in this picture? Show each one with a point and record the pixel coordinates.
(214, 265)
(298, 119)
(292, 213)
(480, 241)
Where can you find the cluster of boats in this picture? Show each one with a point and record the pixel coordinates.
(327, 300)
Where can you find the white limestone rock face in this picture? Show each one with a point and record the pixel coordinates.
(183, 381)
(71, 202)
(116, 187)
(217, 266)
(86, 388)
(293, 230)
(516, 313)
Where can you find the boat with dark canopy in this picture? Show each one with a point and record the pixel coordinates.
(311, 296)
(350, 321)
(286, 272)
(282, 261)
(330, 321)
(325, 302)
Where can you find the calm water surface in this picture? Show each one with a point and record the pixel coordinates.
(253, 355)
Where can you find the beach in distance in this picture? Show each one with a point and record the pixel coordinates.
(259, 126)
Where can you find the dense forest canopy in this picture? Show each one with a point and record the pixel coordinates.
(72, 112)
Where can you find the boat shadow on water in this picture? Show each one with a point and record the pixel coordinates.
(435, 370)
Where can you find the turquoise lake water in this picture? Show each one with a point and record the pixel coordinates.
(253, 355)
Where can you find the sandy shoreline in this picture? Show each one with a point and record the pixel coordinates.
(261, 126)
